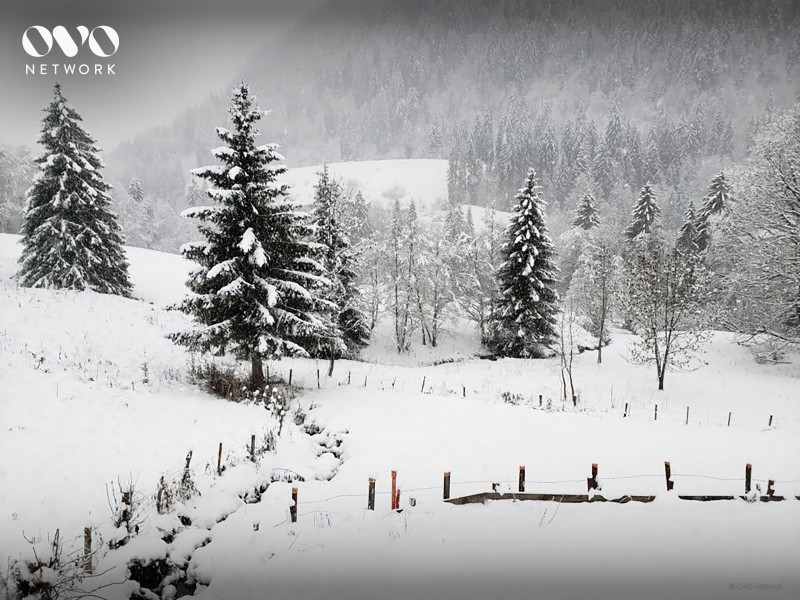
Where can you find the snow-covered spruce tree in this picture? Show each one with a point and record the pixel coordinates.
(645, 214)
(70, 236)
(140, 216)
(523, 322)
(586, 215)
(349, 332)
(686, 243)
(715, 203)
(257, 290)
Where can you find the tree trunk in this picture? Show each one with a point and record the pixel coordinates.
(257, 372)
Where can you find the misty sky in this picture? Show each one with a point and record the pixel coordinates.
(172, 53)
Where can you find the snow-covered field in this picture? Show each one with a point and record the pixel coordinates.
(76, 414)
(382, 181)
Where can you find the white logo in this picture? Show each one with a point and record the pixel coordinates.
(66, 43)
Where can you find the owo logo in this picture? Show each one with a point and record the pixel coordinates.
(38, 41)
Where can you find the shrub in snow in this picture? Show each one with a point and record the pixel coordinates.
(48, 572)
(70, 236)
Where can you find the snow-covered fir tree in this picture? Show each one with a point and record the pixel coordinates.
(715, 204)
(645, 214)
(71, 238)
(686, 242)
(140, 216)
(523, 322)
(454, 224)
(349, 331)
(257, 290)
(586, 216)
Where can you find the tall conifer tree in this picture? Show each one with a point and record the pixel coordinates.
(523, 323)
(257, 290)
(71, 239)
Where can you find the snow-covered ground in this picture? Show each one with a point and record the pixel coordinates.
(76, 415)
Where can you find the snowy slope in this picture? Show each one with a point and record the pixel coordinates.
(382, 181)
(76, 414)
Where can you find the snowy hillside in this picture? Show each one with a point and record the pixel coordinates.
(382, 181)
(92, 393)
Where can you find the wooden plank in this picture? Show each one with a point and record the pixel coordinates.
(707, 498)
(483, 497)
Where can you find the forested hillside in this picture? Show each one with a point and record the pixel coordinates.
(618, 93)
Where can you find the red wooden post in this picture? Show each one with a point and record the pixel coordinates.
(397, 501)
(522, 478)
(293, 507)
(591, 482)
(668, 473)
(446, 491)
(748, 473)
(394, 490)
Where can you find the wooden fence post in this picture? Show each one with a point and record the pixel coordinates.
(219, 460)
(446, 490)
(522, 478)
(293, 507)
(253, 447)
(668, 473)
(371, 495)
(748, 473)
(87, 550)
(591, 482)
(394, 489)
